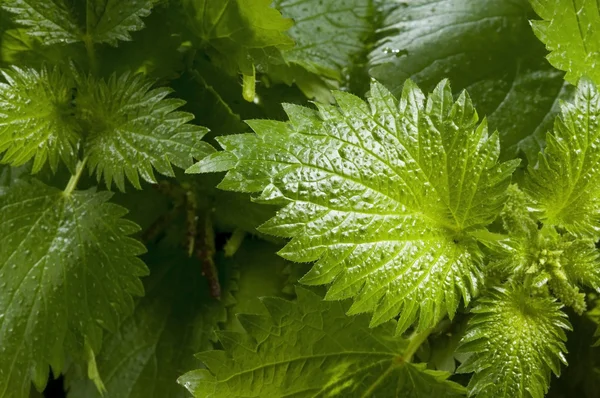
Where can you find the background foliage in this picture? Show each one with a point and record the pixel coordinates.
(117, 266)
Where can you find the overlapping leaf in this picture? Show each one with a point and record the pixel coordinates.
(330, 38)
(131, 128)
(565, 180)
(570, 30)
(486, 47)
(62, 22)
(516, 339)
(37, 118)
(311, 348)
(238, 33)
(175, 319)
(384, 195)
(67, 270)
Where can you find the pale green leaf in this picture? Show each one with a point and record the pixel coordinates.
(174, 320)
(563, 262)
(37, 118)
(133, 128)
(62, 22)
(571, 31)
(385, 195)
(68, 270)
(311, 348)
(484, 46)
(565, 180)
(516, 340)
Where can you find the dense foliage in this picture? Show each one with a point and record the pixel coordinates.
(269, 198)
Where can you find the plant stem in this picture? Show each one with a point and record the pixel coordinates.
(415, 341)
(75, 177)
(91, 52)
(234, 242)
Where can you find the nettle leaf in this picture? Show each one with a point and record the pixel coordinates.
(109, 21)
(385, 195)
(63, 22)
(310, 347)
(486, 47)
(174, 320)
(68, 270)
(565, 179)
(238, 33)
(569, 28)
(36, 118)
(516, 339)
(53, 21)
(132, 127)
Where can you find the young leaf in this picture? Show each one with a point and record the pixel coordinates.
(103, 21)
(562, 261)
(131, 128)
(516, 339)
(310, 348)
(68, 270)
(565, 180)
(486, 47)
(569, 28)
(36, 118)
(173, 321)
(384, 195)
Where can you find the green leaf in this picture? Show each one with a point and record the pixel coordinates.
(109, 21)
(237, 33)
(311, 348)
(68, 270)
(569, 28)
(384, 195)
(565, 179)
(99, 21)
(486, 47)
(131, 128)
(36, 118)
(52, 21)
(175, 319)
(516, 339)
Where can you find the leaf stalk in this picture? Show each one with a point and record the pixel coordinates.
(72, 184)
